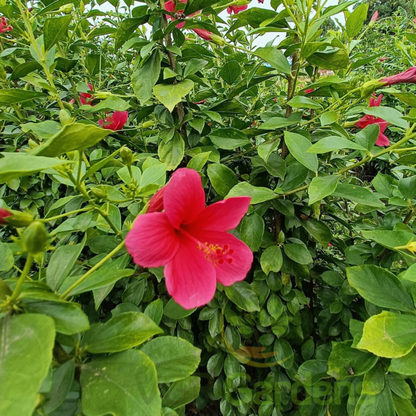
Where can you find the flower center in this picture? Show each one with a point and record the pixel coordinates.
(217, 254)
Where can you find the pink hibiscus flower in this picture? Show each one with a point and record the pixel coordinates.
(236, 9)
(4, 27)
(86, 97)
(116, 121)
(170, 7)
(367, 120)
(191, 240)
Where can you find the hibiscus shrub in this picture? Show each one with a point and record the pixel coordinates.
(195, 224)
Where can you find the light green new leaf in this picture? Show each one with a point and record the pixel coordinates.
(380, 287)
(274, 57)
(356, 20)
(172, 152)
(258, 194)
(72, 137)
(405, 365)
(171, 94)
(304, 102)
(332, 143)
(321, 187)
(16, 165)
(129, 380)
(298, 146)
(271, 259)
(174, 357)
(389, 334)
(25, 357)
(120, 333)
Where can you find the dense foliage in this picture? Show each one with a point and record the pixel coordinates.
(99, 109)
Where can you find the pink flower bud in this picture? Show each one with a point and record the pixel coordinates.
(374, 17)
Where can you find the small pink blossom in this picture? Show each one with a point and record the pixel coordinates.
(236, 9)
(192, 241)
(115, 121)
(4, 27)
(406, 77)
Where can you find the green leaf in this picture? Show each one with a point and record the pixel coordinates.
(389, 239)
(129, 381)
(271, 259)
(332, 143)
(228, 138)
(389, 334)
(22, 70)
(126, 28)
(69, 317)
(175, 311)
(16, 96)
(298, 146)
(275, 165)
(367, 137)
(182, 392)
(378, 405)
(274, 123)
(356, 20)
(332, 59)
(403, 407)
(252, 230)
(54, 29)
(310, 372)
(230, 72)
(61, 264)
(16, 165)
(284, 353)
(243, 296)
(120, 333)
(346, 361)
(298, 252)
(358, 194)
(275, 306)
(318, 230)
(193, 6)
(154, 311)
(6, 258)
(222, 178)
(374, 381)
(172, 152)
(304, 102)
(321, 187)
(328, 118)
(144, 78)
(171, 94)
(96, 280)
(389, 114)
(405, 365)
(380, 287)
(407, 186)
(72, 137)
(215, 365)
(193, 66)
(112, 103)
(63, 377)
(258, 194)
(274, 57)
(26, 348)
(174, 358)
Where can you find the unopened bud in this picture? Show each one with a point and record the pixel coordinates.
(369, 87)
(218, 40)
(156, 201)
(126, 156)
(32, 144)
(102, 95)
(35, 238)
(4, 213)
(19, 219)
(67, 8)
(65, 117)
(148, 124)
(99, 193)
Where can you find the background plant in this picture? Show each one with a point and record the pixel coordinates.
(323, 323)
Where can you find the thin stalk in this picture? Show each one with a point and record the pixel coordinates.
(66, 214)
(22, 278)
(92, 270)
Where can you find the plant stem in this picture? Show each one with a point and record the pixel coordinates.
(26, 270)
(92, 270)
(66, 214)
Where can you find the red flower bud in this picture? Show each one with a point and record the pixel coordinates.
(4, 214)
(156, 201)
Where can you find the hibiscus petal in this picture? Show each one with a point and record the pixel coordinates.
(152, 242)
(190, 277)
(232, 258)
(184, 197)
(221, 216)
(382, 140)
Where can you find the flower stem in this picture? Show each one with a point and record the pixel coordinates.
(22, 278)
(92, 270)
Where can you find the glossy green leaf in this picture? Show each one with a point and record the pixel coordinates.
(26, 348)
(242, 294)
(174, 358)
(375, 405)
(68, 317)
(252, 230)
(321, 187)
(172, 152)
(120, 333)
(228, 138)
(230, 72)
(175, 311)
(222, 178)
(405, 365)
(358, 194)
(130, 381)
(271, 259)
(389, 334)
(332, 143)
(298, 146)
(72, 137)
(126, 28)
(356, 20)
(54, 29)
(14, 96)
(310, 372)
(389, 114)
(182, 392)
(6, 258)
(380, 287)
(258, 194)
(304, 102)
(274, 57)
(171, 94)
(298, 253)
